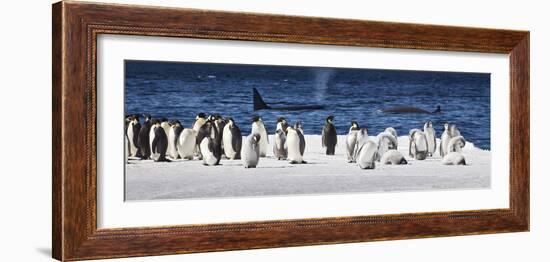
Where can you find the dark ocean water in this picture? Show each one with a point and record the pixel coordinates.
(181, 90)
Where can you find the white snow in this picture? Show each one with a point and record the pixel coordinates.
(181, 179)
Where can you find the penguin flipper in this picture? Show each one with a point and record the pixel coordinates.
(237, 140)
(302, 143)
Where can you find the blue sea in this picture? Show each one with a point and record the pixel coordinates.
(181, 90)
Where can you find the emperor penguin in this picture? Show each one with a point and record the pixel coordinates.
(127, 121)
(351, 140)
(186, 143)
(393, 157)
(173, 135)
(296, 145)
(418, 144)
(210, 146)
(280, 150)
(456, 144)
(251, 150)
(329, 136)
(445, 138)
(453, 158)
(300, 131)
(159, 143)
(386, 141)
(232, 139)
(259, 128)
(431, 137)
(368, 153)
(143, 137)
(132, 133)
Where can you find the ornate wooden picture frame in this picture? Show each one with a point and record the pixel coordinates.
(76, 26)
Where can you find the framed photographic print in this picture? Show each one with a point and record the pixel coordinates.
(181, 130)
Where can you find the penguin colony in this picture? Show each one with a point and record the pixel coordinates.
(211, 138)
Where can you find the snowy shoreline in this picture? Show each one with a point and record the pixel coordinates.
(184, 179)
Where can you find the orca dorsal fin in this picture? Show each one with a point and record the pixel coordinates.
(259, 103)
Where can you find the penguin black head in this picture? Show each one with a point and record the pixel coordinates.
(201, 115)
(429, 123)
(229, 120)
(298, 125)
(212, 119)
(354, 125)
(175, 122)
(330, 118)
(164, 119)
(135, 117)
(281, 119)
(256, 119)
(156, 121)
(217, 117)
(147, 117)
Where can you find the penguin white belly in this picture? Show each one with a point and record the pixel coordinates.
(421, 143)
(351, 139)
(293, 146)
(279, 145)
(250, 154)
(264, 143)
(444, 143)
(420, 146)
(151, 137)
(367, 155)
(453, 158)
(172, 150)
(430, 136)
(166, 128)
(227, 139)
(126, 147)
(208, 157)
(186, 143)
(130, 137)
(393, 157)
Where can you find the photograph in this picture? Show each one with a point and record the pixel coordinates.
(211, 130)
